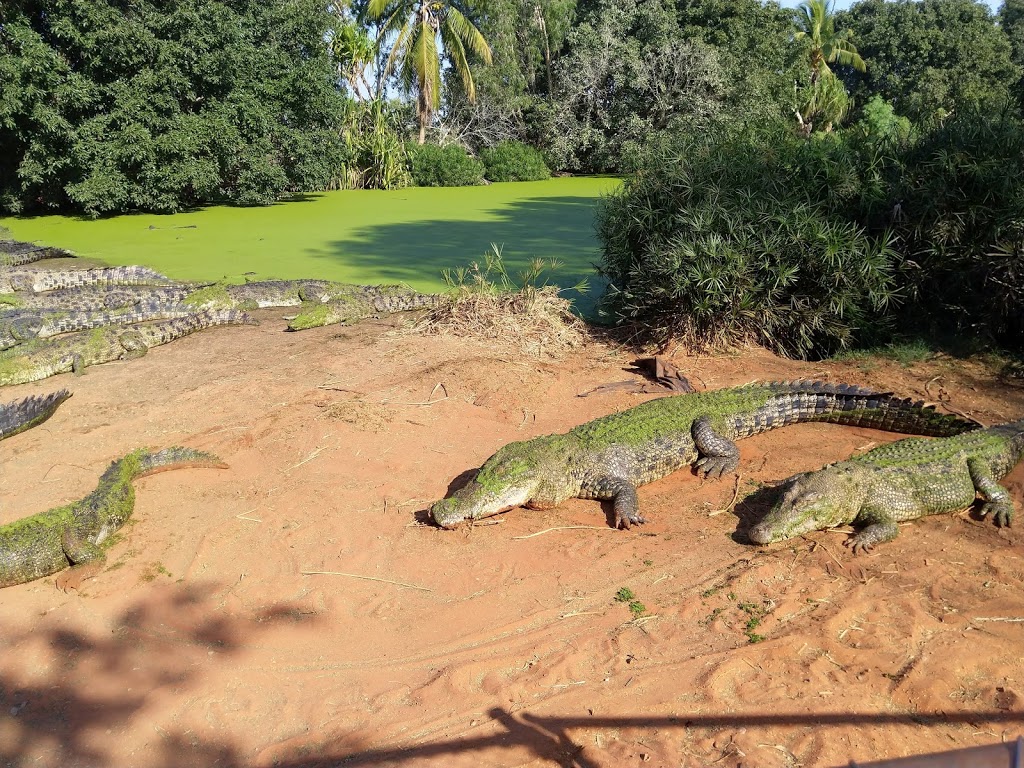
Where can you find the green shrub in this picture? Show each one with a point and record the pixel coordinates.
(746, 236)
(514, 161)
(450, 166)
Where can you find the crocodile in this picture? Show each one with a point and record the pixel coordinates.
(50, 279)
(14, 253)
(71, 535)
(39, 358)
(261, 294)
(16, 328)
(609, 457)
(900, 481)
(91, 298)
(29, 412)
(361, 302)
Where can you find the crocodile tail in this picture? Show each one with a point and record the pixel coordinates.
(138, 313)
(165, 331)
(30, 412)
(176, 457)
(852, 405)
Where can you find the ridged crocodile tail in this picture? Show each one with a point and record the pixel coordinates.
(48, 280)
(176, 457)
(856, 406)
(30, 412)
(165, 331)
(14, 253)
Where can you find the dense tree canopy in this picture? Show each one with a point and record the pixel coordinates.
(931, 57)
(162, 104)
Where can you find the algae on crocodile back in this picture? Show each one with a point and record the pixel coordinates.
(214, 296)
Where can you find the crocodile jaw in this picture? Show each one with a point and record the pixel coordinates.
(813, 502)
(474, 502)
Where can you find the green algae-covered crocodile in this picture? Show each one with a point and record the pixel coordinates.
(40, 358)
(93, 298)
(609, 457)
(51, 279)
(29, 412)
(262, 294)
(49, 542)
(359, 303)
(900, 481)
(19, 327)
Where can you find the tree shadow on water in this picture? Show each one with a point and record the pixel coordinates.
(545, 227)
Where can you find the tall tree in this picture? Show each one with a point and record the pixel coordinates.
(416, 26)
(932, 57)
(109, 106)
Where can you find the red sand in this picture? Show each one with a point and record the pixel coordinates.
(203, 644)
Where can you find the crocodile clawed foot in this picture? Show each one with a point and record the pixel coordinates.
(1002, 512)
(858, 546)
(713, 467)
(624, 521)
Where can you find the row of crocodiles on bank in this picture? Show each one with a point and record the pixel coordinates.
(63, 320)
(608, 458)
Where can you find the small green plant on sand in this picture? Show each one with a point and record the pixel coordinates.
(754, 613)
(625, 595)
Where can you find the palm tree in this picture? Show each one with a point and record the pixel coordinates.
(816, 21)
(416, 25)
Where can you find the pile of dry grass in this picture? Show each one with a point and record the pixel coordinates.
(531, 320)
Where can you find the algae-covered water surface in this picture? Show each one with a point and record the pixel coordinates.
(357, 236)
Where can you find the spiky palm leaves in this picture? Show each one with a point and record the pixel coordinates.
(416, 26)
(825, 101)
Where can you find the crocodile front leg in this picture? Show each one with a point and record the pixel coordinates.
(87, 559)
(718, 454)
(997, 499)
(876, 533)
(622, 493)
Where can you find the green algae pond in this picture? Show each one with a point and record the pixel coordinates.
(356, 236)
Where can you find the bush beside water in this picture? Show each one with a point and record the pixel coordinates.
(450, 166)
(514, 161)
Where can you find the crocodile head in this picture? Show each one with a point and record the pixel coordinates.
(812, 501)
(510, 478)
(23, 328)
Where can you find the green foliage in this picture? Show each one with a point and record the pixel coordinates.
(160, 106)
(450, 166)
(743, 235)
(930, 58)
(957, 198)
(514, 161)
(625, 595)
(879, 122)
(373, 136)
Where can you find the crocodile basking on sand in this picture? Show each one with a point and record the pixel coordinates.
(262, 294)
(17, 328)
(29, 412)
(359, 303)
(900, 481)
(40, 358)
(52, 279)
(50, 541)
(92, 298)
(14, 253)
(609, 457)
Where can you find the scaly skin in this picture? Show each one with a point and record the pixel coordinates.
(40, 358)
(51, 279)
(49, 542)
(14, 253)
(361, 302)
(900, 481)
(17, 328)
(609, 457)
(265, 293)
(29, 412)
(94, 298)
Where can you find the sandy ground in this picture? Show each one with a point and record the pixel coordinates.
(204, 644)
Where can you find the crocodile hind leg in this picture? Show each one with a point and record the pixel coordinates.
(87, 559)
(997, 499)
(718, 454)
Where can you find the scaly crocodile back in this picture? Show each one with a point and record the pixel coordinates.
(360, 302)
(800, 401)
(14, 253)
(94, 298)
(164, 331)
(29, 412)
(48, 280)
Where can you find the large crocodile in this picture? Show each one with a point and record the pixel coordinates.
(900, 481)
(265, 293)
(51, 279)
(50, 541)
(40, 358)
(609, 457)
(19, 327)
(29, 412)
(14, 253)
(361, 302)
(90, 298)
